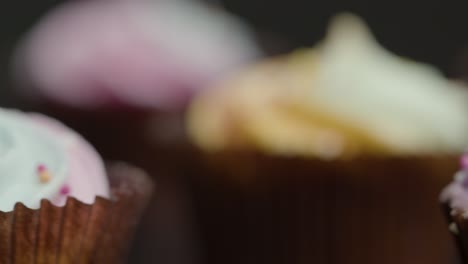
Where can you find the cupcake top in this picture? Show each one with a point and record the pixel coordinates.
(42, 159)
(346, 97)
(150, 54)
(456, 193)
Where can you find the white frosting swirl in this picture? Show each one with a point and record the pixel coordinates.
(29, 141)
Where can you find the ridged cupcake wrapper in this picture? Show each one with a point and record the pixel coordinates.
(78, 233)
(256, 209)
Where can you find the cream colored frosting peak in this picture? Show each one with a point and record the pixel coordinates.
(347, 96)
(408, 106)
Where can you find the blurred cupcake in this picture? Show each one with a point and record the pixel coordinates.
(454, 199)
(57, 203)
(127, 65)
(328, 155)
(123, 71)
(142, 54)
(119, 64)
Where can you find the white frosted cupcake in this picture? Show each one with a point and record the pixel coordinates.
(58, 202)
(454, 199)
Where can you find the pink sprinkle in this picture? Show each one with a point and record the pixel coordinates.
(464, 161)
(65, 190)
(41, 168)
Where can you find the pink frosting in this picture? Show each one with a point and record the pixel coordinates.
(142, 53)
(86, 177)
(456, 193)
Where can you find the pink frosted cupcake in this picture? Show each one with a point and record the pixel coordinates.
(127, 66)
(58, 203)
(136, 54)
(454, 199)
(123, 71)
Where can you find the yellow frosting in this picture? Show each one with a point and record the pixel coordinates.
(348, 96)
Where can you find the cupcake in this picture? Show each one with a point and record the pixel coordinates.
(145, 54)
(124, 71)
(58, 202)
(454, 199)
(127, 66)
(327, 155)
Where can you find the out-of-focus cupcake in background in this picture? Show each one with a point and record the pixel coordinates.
(124, 71)
(454, 199)
(334, 154)
(93, 59)
(143, 54)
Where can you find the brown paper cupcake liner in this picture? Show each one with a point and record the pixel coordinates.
(258, 209)
(150, 140)
(77, 232)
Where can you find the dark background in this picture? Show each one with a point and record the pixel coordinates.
(433, 31)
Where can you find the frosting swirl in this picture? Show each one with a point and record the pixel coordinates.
(346, 97)
(144, 54)
(456, 193)
(42, 159)
(408, 107)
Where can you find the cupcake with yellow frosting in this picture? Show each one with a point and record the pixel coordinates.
(332, 154)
